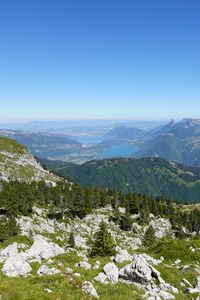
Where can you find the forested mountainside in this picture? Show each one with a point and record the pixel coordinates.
(152, 176)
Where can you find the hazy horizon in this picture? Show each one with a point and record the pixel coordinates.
(132, 60)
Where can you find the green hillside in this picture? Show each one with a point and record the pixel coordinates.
(152, 176)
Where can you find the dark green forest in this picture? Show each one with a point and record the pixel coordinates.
(67, 200)
(151, 176)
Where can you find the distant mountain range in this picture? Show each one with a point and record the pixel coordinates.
(124, 134)
(176, 141)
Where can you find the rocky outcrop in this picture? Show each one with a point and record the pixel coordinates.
(142, 273)
(139, 271)
(44, 249)
(89, 289)
(17, 263)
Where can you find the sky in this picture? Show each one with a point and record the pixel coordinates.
(105, 59)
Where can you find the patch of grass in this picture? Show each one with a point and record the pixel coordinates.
(10, 145)
(33, 288)
(19, 239)
(172, 250)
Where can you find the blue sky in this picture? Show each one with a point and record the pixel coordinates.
(105, 59)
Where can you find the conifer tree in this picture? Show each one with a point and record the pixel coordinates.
(149, 237)
(71, 241)
(103, 244)
(126, 222)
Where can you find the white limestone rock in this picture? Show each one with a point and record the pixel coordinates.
(83, 264)
(16, 266)
(97, 265)
(89, 289)
(196, 288)
(102, 278)
(122, 256)
(43, 248)
(9, 251)
(139, 270)
(111, 272)
(45, 270)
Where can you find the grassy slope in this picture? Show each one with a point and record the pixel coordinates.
(11, 146)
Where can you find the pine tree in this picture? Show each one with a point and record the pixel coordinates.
(149, 237)
(103, 244)
(71, 241)
(126, 222)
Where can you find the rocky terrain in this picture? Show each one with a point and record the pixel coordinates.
(40, 260)
(17, 163)
(42, 250)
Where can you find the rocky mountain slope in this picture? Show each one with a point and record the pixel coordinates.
(17, 163)
(178, 141)
(152, 176)
(148, 248)
(41, 257)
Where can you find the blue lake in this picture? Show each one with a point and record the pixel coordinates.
(118, 151)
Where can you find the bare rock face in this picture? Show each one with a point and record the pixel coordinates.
(89, 289)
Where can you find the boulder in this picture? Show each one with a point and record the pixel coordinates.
(111, 272)
(43, 248)
(45, 270)
(139, 271)
(83, 264)
(102, 278)
(89, 289)
(16, 266)
(9, 251)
